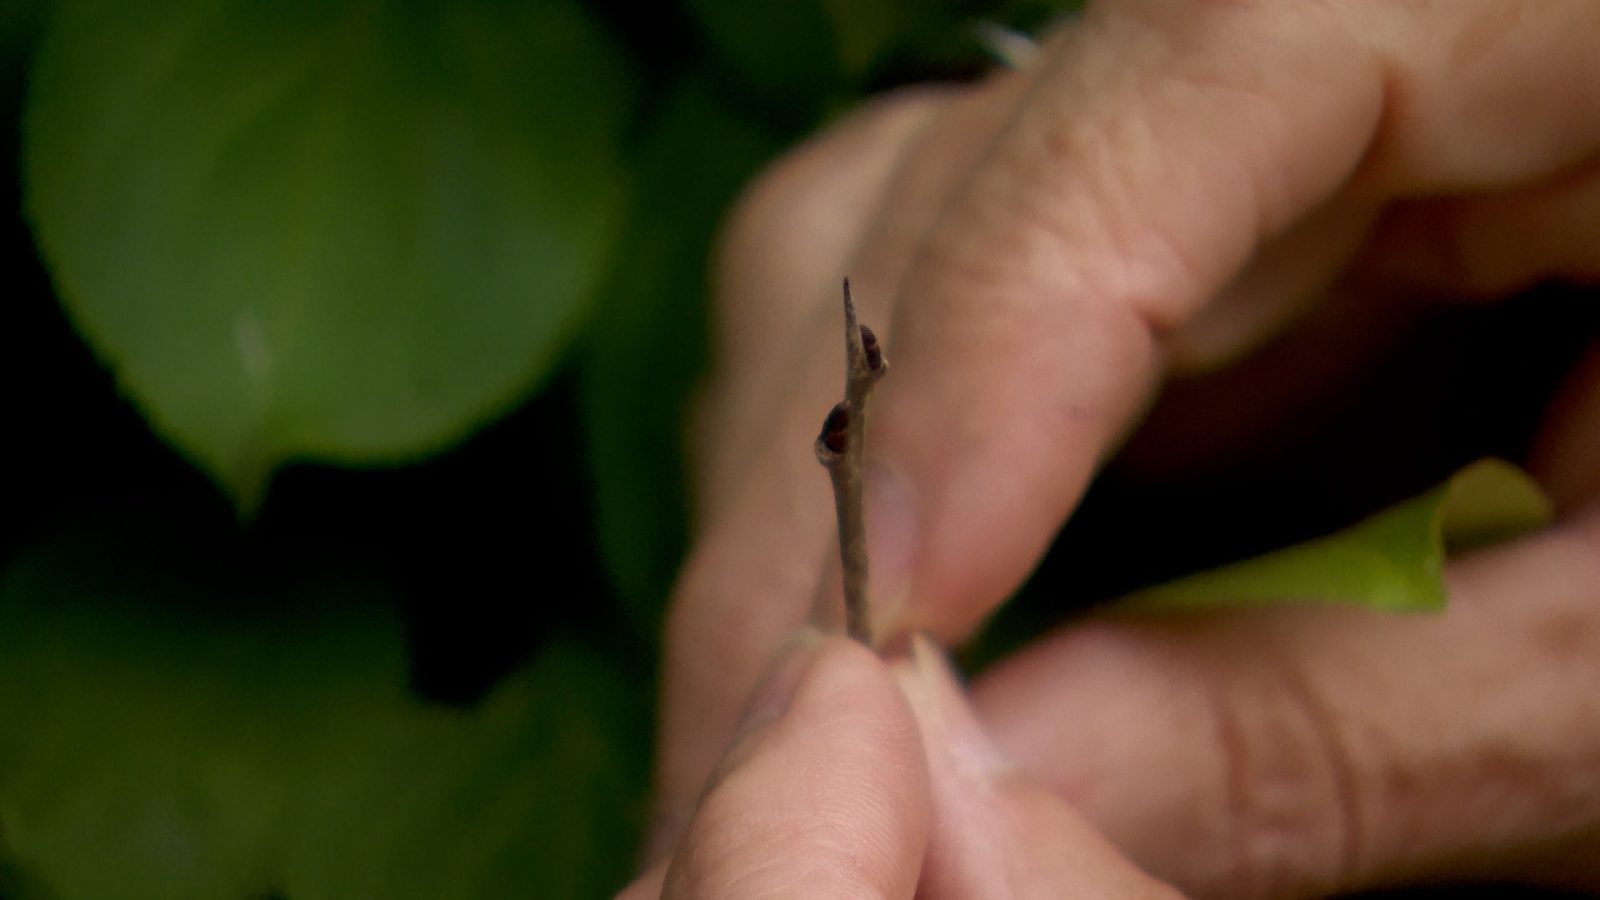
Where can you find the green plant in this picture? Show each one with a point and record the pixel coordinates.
(347, 349)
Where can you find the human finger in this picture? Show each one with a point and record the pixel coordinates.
(777, 264)
(823, 794)
(1088, 234)
(854, 200)
(1303, 751)
(996, 832)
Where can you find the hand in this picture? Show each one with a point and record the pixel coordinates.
(844, 783)
(1168, 186)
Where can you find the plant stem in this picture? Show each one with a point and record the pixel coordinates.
(839, 448)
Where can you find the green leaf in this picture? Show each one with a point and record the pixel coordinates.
(863, 29)
(349, 231)
(190, 735)
(1393, 561)
(20, 22)
(784, 52)
(648, 344)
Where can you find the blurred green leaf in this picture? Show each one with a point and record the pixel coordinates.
(864, 28)
(19, 27)
(1393, 561)
(786, 53)
(157, 744)
(346, 231)
(648, 343)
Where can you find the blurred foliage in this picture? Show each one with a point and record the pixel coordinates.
(347, 356)
(692, 160)
(1392, 561)
(345, 231)
(179, 728)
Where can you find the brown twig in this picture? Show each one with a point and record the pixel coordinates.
(839, 448)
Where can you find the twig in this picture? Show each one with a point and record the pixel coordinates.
(839, 448)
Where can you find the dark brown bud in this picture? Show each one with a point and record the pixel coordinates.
(869, 345)
(836, 428)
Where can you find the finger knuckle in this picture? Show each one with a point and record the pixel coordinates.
(1294, 804)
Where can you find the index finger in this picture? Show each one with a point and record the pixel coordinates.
(1162, 146)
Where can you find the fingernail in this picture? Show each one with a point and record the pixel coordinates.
(942, 709)
(894, 533)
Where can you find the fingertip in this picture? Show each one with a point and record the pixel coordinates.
(828, 798)
(997, 831)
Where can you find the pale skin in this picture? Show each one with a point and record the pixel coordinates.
(1167, 186)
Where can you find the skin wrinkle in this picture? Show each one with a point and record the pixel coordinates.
(828, 861)
(1514, 779)
(1064, 135)
(1236, 766)
(1009, 201)
(758, 870)
(1281, 751)
(1274, 190)
(1275, 766)
(937, 156)
(1335, 753)
(864, 807)
(697, 857)
(1161, 261)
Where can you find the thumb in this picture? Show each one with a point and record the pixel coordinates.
(996, 832)
(822, 794)
(1146, 166)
